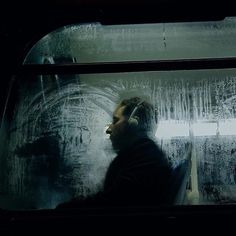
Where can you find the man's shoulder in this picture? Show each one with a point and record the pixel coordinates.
(147, 150)
(149, 145)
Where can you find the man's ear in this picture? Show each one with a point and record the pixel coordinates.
(134, 121)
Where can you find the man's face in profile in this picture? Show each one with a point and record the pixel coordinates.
(118, 130)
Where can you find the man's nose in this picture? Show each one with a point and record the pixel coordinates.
(108, 131)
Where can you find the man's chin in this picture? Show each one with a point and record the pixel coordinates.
(115, 147)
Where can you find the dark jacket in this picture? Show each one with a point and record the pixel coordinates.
(138, 175)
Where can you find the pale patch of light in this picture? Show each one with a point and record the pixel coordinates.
(204, 128)
(227, 127)
(173, 128)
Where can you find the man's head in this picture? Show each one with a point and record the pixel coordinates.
(133, 118)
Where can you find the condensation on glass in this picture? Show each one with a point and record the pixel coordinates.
(53, 141)
(99, 43)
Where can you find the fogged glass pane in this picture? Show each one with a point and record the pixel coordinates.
(98, 43)
(55, 146)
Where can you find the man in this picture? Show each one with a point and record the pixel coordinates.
(140, 173)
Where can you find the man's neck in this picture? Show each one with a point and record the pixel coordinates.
(134, 139)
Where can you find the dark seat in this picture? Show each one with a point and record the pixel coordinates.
(179, 181)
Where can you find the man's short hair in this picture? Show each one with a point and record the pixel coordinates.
(145, 111)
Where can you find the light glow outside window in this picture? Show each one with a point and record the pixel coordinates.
(168, 129)
(174, 128)
(204, 128)
(227, 127)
